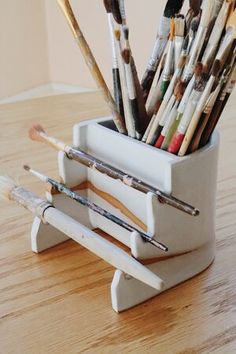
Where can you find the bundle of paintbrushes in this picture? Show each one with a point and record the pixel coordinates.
(188, 80)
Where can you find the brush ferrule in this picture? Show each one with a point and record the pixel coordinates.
(30, 201)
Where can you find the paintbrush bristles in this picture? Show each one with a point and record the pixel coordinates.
(107, 4)
(26, 167)
(126, 55)
(6, 187)
(117, 35)
(35, 133)
(216, 68)
(126, 32)
(115, 9)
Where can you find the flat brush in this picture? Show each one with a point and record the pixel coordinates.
(129, 121)
(171, 9)
(200, 38)
(142, 113)
(210, 51)
(96, 244)
(92, 65)
(126, 54)
(115, 66)
(199, 109)
(194, 98)
(179, 37)
(61, 188)
(37, 133)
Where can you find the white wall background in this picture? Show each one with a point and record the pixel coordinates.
(36, 46)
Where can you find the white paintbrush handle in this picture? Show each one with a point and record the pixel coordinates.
(113, 44)
(84, 236)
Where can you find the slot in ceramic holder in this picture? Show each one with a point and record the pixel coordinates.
(190, 239)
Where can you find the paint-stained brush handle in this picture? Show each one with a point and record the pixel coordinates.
(117, 90)
(91, 63)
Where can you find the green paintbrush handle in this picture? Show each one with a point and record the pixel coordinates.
(171, 132)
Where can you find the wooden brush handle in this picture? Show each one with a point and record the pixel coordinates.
(213, 120)
(147, 82)
(91, 63)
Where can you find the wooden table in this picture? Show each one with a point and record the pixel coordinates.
(59, 301)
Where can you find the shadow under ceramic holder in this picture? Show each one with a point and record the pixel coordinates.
(190, 239)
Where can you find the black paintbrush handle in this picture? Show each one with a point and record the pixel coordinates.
(147, 82)
(156, 135)
(211, 124)
(135, 114)
(117, 90)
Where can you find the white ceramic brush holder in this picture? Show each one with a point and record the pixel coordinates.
(190, 239)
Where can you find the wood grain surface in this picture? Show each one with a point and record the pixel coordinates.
(59, 301)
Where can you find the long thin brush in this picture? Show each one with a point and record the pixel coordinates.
(115, 66)
(142, 113)
(179, 37)
(126, 54)
(94, 207)
(37, 133)
(104, 249)
(91, 63)
(210, 51)
(207, 10)
(199, 109)
(171, 9)
(129, 121)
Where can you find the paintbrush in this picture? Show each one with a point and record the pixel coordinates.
(131, 89)
(193, 100)
(174, 126)
(171, 9)
(143, 118)
(115, 9)
(92, 65)
(163, 103)
(200, 38)
(61, 188)
(199, 109)
(129, 121)
(210, 51)
(115, 66)
(37, 133)
(104, 249)
(179, 37)
(192, 32)
(205, 116)
(218, 107)
(162, 142)
(168, 68)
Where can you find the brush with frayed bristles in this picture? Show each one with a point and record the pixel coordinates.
(132, 94)
(61, 188)
(91, 63)
(192, 32)
(37, 133)
(211, 48)
(142, 113)
(172, 8)
(129, 122)
(206, 17)
(115, 66)
(199, 109)
(101, 247)
(179, 37)
(122, 11)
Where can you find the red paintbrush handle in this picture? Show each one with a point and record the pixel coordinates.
(159, 141)
(176, 143)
